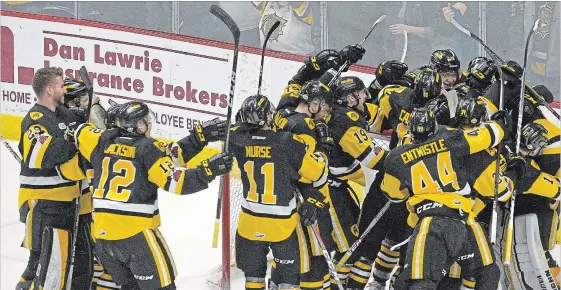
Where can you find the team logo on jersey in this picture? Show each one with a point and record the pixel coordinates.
(268, 21)
(544, 15)
(174, 151)
(176, 175)
(35, 132)
(36, 115)
(259, 235)
(353, 115)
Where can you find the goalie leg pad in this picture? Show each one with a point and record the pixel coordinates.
(530, 263)
(54, 261)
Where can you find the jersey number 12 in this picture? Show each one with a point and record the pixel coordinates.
(125, 173)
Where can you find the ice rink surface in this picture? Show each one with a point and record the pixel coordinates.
(187, 226)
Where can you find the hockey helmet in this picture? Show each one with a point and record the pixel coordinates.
(257, 110)
(534, 138)
(428, 85)
(481, 72)
(470, 112)
(422, 124)
(74, 89)
(441, 110)
(133, 118)
(349, 85)
(445, 60)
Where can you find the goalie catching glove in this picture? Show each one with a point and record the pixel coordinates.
(217, 165)
(210, 131)
(310, 210)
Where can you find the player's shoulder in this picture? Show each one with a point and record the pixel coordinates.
(301, 124)
(343, 117)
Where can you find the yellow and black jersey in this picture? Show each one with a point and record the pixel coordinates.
(288, 120)
(396, 105)
(271, 163)
(127, 174)
(48, 160)
(354, 147)
(538, 182)
(183, 150)
(434, 171)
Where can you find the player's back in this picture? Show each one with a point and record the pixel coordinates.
(125, 200)
(271, 163)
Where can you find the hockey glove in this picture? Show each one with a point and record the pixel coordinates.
(388, 72)
(325, 60)
(310, 211)
(516, 170)
(512, 72)
(505, 121)
(217, 165)
(352, 53)
(325, 141)
(210, 131)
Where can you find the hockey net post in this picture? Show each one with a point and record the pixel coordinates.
(221, 276)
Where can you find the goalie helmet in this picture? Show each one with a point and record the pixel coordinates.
(349, 85)
(422, 124)
(133, 118)
(428, 85)
(74, 89)
(481, 72)
(444, 60)
(257, 110)
(534, 138)
(470, 112)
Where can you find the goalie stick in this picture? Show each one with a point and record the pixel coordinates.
(355, 245)
(328, 259)
(12, 151)
(344, 66)
(84, 76)
(225, 179)
(273, 28)
(510, 225)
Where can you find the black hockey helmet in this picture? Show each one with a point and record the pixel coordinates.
(422, 124)
(314, 91)
(112, 115)
(441, 110)
(411, 76)
(481, 72)
(130, 115)
(74, 89)
(470, 112)
(428, 85)
(444, 60)
(257, 110)
(349, 85)
(534, 138)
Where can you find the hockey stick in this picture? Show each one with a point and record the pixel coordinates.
(273, 28)
(344, 66)
(498, 61)
(84, 76)
(510, 225)
(404, 52)
(12, 151)
(355, 245)
(328, 259)
(226, 19)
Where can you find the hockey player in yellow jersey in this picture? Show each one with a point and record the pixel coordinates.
(430, 172)
(129, 167)
(353, 149)
(397, 102)
(272, 163)
(47, 192)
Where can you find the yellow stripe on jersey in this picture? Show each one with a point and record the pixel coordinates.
(65, 193)
(355, 176)
(455, 271)
(86, 203)
(373, 111)
(490, 106)
(254, 285)
(267, 229)
(72, 170)
(159, 258)
(64, 238)
(485, 136)
(314, 168)
(385, 105)
(166, 248)
(114, 226)
(552, 130)
(87, 137)
(392, 186)
(164, 170)
(303, 249)
(419, 249)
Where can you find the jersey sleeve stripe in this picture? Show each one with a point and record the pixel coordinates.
(149, 209)
(494, 134)
(276, 210)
